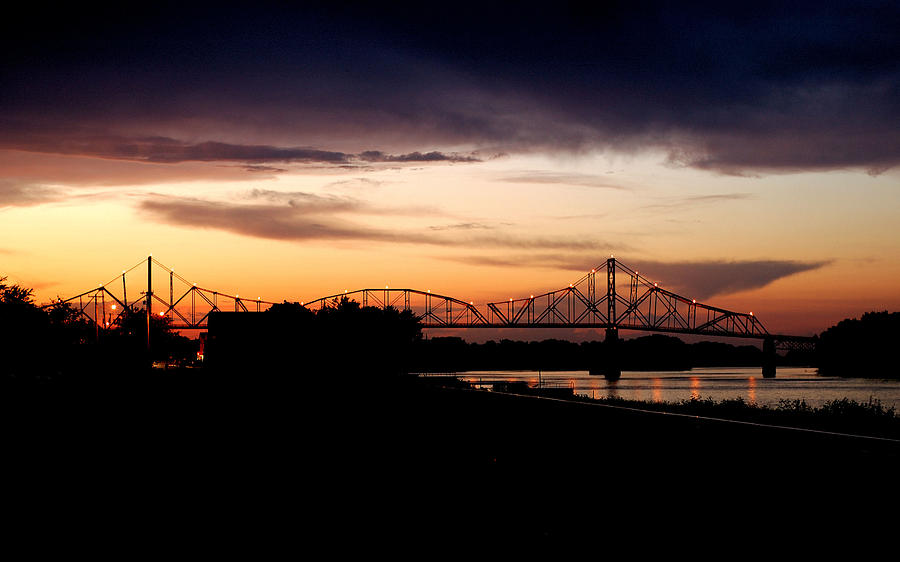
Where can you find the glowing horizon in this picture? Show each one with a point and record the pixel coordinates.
(334, 152)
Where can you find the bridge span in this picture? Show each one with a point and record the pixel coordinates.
(626, 300)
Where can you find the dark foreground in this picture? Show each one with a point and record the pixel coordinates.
(256, 469)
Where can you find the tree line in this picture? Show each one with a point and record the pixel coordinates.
(346, 337)
(58, 341)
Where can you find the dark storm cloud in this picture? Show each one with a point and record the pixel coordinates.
(737, 89)
(316, 218)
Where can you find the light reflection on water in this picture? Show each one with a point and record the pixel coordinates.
(791, 383)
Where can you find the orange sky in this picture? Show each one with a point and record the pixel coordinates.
(745, 156)
(507, 227)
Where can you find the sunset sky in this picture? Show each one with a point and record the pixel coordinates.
(746, 157)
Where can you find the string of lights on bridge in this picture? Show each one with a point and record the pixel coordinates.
(629, 301)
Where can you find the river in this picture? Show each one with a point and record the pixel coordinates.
(791, 383)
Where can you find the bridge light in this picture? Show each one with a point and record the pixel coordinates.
(385, 286)
(429, 290)
(532, 296)
(751, 314)
(694, 301)
(510, 299)
(656, 284)
(161, 313)
(195, 284)
(593, 271)
(113, 307)
(302, 303)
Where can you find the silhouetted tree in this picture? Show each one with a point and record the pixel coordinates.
(290, 342)
(24, 329)
(69, 327)
(862, 347)
(130, 335)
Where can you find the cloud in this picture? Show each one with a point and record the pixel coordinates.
(295, 216)
(71, 170)
(308, 203)
(695, 200)
(703, 279)
(734, 89)
(311, 203)
(585, 216)
(157, 149)
(262, 169)
(16, 194)
(255, 158)
(555, 178)
(697, 279)
(462, 226)
(433, 156)
(356, 182)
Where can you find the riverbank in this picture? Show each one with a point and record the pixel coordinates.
(252, 466)
(442, 424)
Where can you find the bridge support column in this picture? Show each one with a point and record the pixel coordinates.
(611, 366)
(769, 358)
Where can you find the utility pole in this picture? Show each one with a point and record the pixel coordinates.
(149, 296)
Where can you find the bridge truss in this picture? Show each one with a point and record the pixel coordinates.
(433, 310)
(187, 308)
(625, 300)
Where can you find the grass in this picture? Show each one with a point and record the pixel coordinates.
(869, 418)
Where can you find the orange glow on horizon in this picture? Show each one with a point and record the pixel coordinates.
(62, 247)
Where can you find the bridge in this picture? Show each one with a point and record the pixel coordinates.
(626, 301)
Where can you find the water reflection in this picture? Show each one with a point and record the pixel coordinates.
(791, 383)
(695, 388)
(657, 390)
(612, 389)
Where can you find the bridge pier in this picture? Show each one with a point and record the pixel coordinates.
(769, 358)
(611, 365)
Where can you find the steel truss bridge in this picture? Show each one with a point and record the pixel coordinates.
(626, 300)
